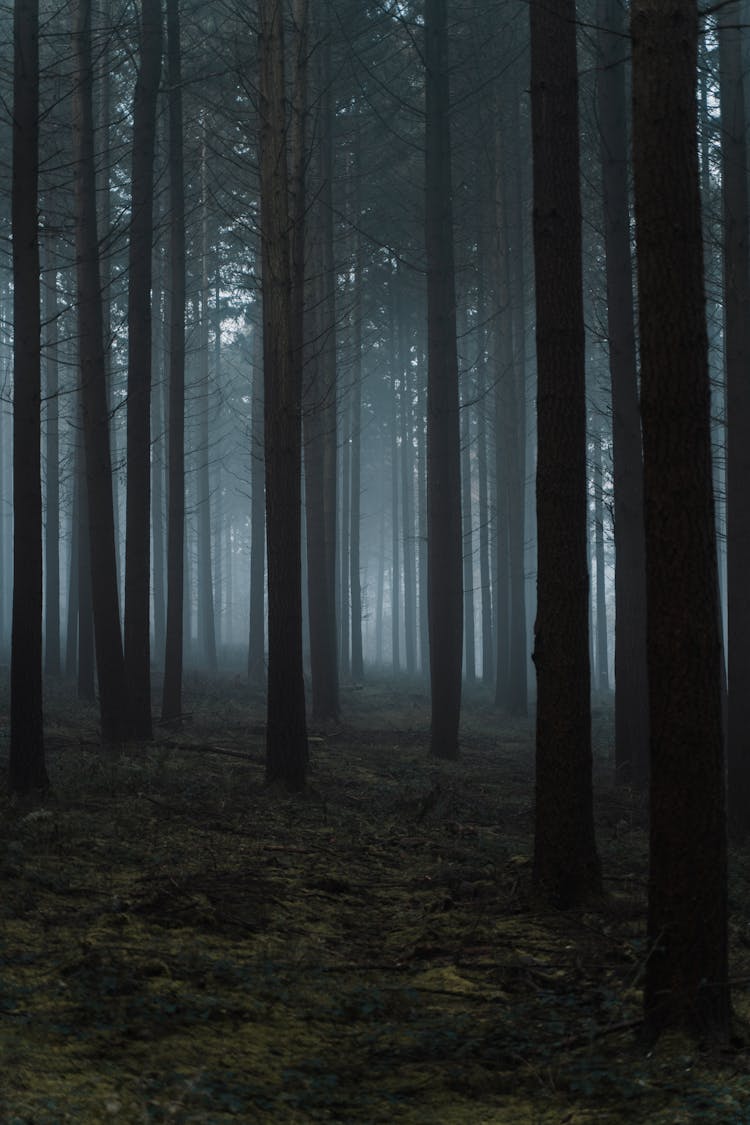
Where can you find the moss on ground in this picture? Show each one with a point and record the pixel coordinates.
(180, 944)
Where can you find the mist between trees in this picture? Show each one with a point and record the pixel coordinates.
(320, 360)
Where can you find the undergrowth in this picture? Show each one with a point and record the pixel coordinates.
(180, 944)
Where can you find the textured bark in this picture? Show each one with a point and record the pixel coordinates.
(686, 971)
(138, 507)
(52, 665)
(256, 659)
(737, 357)
(355, 579)
(286, 731)
(444, 561)
(631, 686)
(407, 493)
(171, 707)
(26, 766)
(205, 562)
(566, 866)
(110, 662)
(602, 655)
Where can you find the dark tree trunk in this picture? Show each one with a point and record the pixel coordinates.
(27, 766)
(443, 439)
(602, 655)
(256, 660)
(470, 670)
(138, 510)
(631, 686)
(52, 666)
(566, 866)
(737, 356)
(109, 654)
(158, 423)
(286, 732)
(686, 970)
(85, 676)
(483, 398)
(407, 496)
(205, 562)
(355, 580)
(171, 708)
(395, 522)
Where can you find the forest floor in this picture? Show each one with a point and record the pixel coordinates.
(179, 943)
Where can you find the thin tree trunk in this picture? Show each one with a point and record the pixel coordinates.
(52, 526)
(602, 656)
(27, 765)
(355, 578)
(109, 653)
(443, 439)
(171, 708)
(256, 665)
(407, 502)
(470, 670)
(631, 687)
(286, 729)
(205, 582)
(138, 508)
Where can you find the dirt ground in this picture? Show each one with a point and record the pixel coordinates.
(179, 943)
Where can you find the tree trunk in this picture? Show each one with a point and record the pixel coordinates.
(205, 581)
(286, 731)
(158, 423)
(256, 660)
(26, 766)
(737, 356)
(109, 654)
(171, 708)
(631, 687)
(443, 439)
(395, 522)
(686, 971)
(470, 670)
(355, 578)
(566, 866)
(52, 665)
(138, 508)
(602, 655)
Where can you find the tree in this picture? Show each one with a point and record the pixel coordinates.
(110, 662)
(566, 866)
(737, 355)
(320, 385)
(286, 723)
(631, 689)
(137, 544)
(27, 765)
(52, 521)
(686, 970)
(444, 543)
(171, 708)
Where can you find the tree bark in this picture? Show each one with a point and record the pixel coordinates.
(27, 769)
(52, 666)
(138, 504)
(109, 653)
(686, 970)
(631, 686)
(286, 731)
(566, 866)
(443, 440)
(737, 356)
(171, 707)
